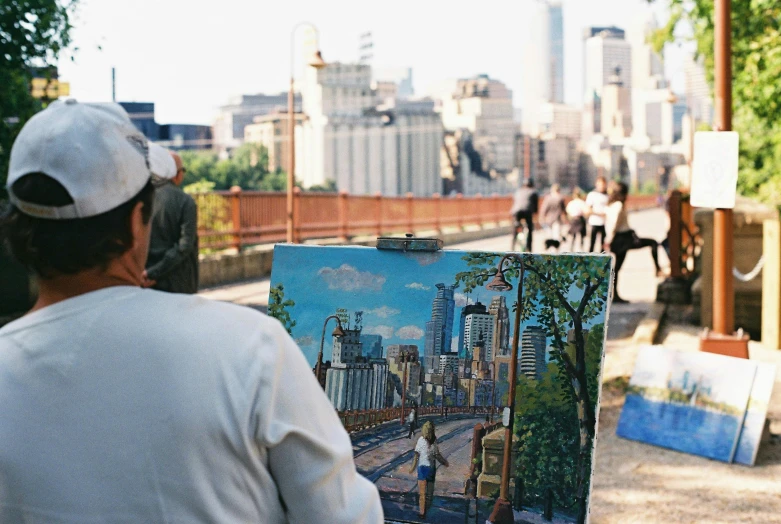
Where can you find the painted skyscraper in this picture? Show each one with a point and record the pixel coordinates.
(543, 60)
(533, 344)
(439, 330)
(465, 311)
(501, 342)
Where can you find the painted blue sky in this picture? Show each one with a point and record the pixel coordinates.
(394, 290)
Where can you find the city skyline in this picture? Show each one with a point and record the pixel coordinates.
(220, 42)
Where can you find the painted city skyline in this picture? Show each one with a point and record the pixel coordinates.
(324, 282)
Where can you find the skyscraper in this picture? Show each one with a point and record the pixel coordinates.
(467, 310)
(439, 330)
(533, 344)
(543, 60)
(501, 341)
(479, 326)
(605, 52)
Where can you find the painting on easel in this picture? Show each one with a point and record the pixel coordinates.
(414, 348)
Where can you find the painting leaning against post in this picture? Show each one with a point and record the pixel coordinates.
(389, 332)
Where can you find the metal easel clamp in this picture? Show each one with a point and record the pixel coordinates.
(410, 243)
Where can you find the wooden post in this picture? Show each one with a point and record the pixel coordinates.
(236, 216)
(343, 225)
(771, 284)
(438, 213)
(378, 211)
(675, 235)
(410, 213)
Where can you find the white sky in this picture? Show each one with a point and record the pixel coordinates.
(188, 56)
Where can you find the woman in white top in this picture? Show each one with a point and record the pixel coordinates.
(597, 202)
(576, 212)
(620, 238)
(426, 457)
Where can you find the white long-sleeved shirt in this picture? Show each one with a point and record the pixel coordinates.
(131, 405)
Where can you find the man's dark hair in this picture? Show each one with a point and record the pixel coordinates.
(64, 247)
(528, 183)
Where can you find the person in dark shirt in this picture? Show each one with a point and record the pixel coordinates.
(525, 203)
(173, 248)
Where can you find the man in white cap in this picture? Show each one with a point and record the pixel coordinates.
(123, 404)
(172, 264)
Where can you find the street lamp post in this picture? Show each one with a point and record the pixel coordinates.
(723, 287)
(317, 62)
(492, 368)
(502, 509)
(338, 332)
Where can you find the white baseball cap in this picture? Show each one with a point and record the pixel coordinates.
(161, 163)
(93, 150)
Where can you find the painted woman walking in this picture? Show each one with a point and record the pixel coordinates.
(426, 457)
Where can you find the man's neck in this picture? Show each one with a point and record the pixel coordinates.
(63, 287)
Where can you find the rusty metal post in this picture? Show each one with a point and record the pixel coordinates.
(343, 233)
(378, 212)
(410, 213)
(291, 172)
(723, 286)
(236, 216)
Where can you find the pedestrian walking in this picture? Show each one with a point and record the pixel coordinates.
(173, 247)
(119, 403)
(576, 214)
(426, 457)
(412, 419)
(552, 215)
(596, 202)
(525, 206)
(621, 239)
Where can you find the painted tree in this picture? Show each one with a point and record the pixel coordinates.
(564, 293)
(278, 307)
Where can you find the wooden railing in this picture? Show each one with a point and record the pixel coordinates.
(236, 218)
(362, 419)
(684, 239)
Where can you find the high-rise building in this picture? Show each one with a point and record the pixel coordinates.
(501, 339)
(480, 327)
(347, 349)
(533, 344)
(604, 53)
(647, 65)
(542, 67)
(362, 149)
(239, 112)
(467, 310)
(484, 107)
(372, 346)
(439, 330)
(561, 120)
(616, 108)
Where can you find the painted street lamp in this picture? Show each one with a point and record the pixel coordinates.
(338, 332)
(502, 509)
(492, 368)
(405, 359)
(317, 62)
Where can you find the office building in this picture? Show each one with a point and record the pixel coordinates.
(439, 330)
(479, 327)
(606, 56)
(533, 344)
(501, 331)
(239, 112)
(372, 346)
(272, 132)
(176, 137)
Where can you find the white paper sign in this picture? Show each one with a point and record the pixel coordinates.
(506, 417)
(715, 169)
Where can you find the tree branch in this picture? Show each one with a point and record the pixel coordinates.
(559, 296)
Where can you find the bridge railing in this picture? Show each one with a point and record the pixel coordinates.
(358, 420)
(237, 218)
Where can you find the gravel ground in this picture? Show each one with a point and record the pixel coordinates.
(638, 483)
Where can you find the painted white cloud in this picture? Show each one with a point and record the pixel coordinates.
(307, 340)
(418, 286)
(347, 278)
(383, 312)
(410, 333)
(461, 299)
(383, 331)
(425, 258)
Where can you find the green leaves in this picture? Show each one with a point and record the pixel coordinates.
(278, 307)
(247, 168)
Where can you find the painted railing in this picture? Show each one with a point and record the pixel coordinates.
(236, 218)
(362, 419)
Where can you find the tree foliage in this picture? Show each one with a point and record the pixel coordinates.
(278, 307)
(756, 70)
(247, 168)
(33, 33)
(565, 294)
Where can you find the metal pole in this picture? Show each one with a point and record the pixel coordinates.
(723, 290)
(404, 360)
(493, 389)
(113, 84)
(508, 432)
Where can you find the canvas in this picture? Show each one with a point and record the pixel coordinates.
(754, 422)
(393, 332)
(690, 402)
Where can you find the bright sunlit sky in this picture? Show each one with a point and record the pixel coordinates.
(188, 57)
